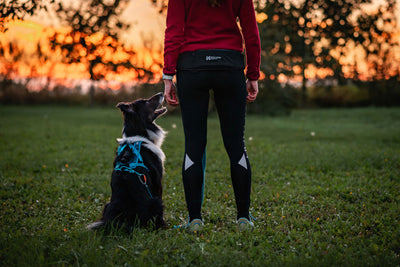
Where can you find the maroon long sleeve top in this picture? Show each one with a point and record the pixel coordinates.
(194, 25)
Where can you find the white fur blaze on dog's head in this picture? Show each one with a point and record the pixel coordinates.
(139, 117)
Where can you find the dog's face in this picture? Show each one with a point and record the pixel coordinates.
(139, 117)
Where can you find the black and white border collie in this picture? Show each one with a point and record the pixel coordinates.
(136, 197)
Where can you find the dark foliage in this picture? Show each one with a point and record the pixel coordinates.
(17, 9)
(318, 32)
(94, 39)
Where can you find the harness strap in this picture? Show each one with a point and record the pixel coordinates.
(144, 182)
(135, 162)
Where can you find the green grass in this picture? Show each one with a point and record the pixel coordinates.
(328, 199)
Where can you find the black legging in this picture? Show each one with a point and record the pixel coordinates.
(230, 99)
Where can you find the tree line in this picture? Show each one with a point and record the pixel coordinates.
(353, 43)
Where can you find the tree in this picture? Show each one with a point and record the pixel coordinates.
(16, 9)
(297, 34)
(161, 5)
(93, 39)
(377, 35)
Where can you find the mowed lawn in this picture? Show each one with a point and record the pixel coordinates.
(325, 191)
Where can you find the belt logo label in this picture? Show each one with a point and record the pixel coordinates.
(213, 58)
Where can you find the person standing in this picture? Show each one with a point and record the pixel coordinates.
(203, 46)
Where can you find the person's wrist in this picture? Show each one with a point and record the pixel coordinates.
(167, 77)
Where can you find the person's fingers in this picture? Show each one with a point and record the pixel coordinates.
(170, 93)
(252, 90)
(250, 98)
(171, 98)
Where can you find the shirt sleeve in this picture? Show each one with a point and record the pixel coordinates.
(247, 19)
(174, 33)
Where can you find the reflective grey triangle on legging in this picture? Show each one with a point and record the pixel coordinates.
(188, 162)
(242, 162)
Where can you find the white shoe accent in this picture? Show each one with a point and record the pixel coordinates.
(242, 162)
(188, 162)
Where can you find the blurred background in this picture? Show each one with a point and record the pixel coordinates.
(315, 53)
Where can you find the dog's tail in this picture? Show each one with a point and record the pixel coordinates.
(95, 225)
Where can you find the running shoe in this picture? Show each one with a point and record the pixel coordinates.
(244, 224)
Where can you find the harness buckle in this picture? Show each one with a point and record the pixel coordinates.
(144, 180)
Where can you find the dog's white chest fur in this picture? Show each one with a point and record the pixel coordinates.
(155, 148)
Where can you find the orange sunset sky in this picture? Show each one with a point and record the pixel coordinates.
(147, 25)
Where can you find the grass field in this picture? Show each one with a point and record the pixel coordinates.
(325, 191)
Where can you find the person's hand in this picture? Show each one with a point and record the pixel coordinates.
(170, 93)
(252, 90)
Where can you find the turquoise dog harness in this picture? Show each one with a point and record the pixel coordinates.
(135, 162)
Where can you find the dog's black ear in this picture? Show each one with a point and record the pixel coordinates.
(125, 107)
